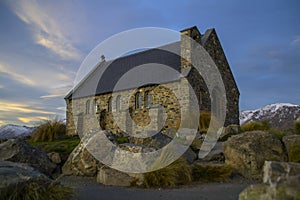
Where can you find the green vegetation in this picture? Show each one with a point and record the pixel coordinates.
(254, 126)
(178, 172)
(262, 126)
(122, 140)
(211, 173)
(38, 191)
(60, 146)
(297, 127)
(49, 130)
(294, 152)
(204, 120)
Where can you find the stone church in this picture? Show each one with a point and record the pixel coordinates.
(135, 105)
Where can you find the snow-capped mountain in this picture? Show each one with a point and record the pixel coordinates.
(12, 131)
(279, 115)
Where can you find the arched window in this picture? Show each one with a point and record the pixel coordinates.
(148, 99)
(110, 104)
(138, 100)
(87, 107)
(96, 106)
(119, 103)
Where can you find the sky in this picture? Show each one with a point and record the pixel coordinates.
(43, 43)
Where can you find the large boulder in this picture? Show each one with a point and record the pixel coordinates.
(17, 174)
(281, 181)
(229, 131)
(275, 172)
(109, 176)
(81, 162)
(247, 152)
(216, 154)
(292, 145)
(17, 150)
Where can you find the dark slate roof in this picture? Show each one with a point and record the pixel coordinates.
(113, 70)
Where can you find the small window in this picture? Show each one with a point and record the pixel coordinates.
(119, 103)
(87, 107)
(138, 100)
(97, 107)
(110, 104)
(148, 99)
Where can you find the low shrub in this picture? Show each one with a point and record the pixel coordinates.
(38, 191)
(294, 152)
(255, 126)
(211, 172)
(297, 127)
(49, 130)
(179, 172)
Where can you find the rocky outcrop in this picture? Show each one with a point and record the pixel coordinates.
(281, 181)
(16, 174)
(216, 154)
(54, 157)
(292, 145)
(109, 176)
(81, 162)
(17, 150)
(247, 152)
(229, 131)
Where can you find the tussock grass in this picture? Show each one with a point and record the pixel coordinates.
(60, 146)
(297, 127)
(49, 130)
(211, 172)
(294, 152)
(179, 172)
(37, 191)
(255, 126)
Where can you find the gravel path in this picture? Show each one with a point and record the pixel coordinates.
(88, 188)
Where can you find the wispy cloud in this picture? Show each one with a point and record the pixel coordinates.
(58, 92)
(16, 76)
(296, 40)
(23, 108)
(32, 119)
(47, 31)
(1, 86)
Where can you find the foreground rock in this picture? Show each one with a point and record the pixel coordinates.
(17, 174)
(80, 162)
(109, 176)
(292, 145)
(275, 172)
(281, 181)
(247, 152)
(17, 150)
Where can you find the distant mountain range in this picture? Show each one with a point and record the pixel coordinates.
(11, 131)
(279, 115)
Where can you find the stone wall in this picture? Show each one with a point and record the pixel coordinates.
(165, 97)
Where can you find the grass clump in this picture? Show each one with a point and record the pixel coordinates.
(294, 152)
(218, 172)
(60, 146)
(38, 191)
(49, 130)
(297, 126)
(179, 172)
(255, 126)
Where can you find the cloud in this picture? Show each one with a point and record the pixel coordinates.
(1, 86)
(47, 31)
(23, 108)
(296, 40)
(17, 77)
(61, 108)
(32, 119)
(57, 92)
